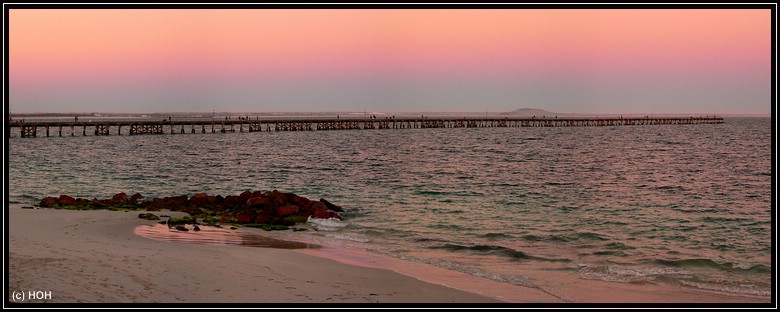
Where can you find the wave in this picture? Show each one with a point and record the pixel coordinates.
(707, 263)
(590, 236)
(618, 246)
(330, 224)
(494, 236)
(496, 250)
(548, 238)
(458, 194)
(724, 219)
(680, 276)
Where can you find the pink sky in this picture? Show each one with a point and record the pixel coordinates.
(65, 51)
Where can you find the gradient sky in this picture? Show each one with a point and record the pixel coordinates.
(382, 60)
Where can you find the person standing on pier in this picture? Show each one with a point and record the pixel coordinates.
(76, 118)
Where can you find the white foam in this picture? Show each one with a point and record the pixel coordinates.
(330, 224)
(350, 238)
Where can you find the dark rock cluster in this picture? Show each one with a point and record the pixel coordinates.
(274, 207)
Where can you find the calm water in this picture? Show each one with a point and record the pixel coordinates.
(670, 204)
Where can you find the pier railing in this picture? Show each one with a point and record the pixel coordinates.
(142, 127)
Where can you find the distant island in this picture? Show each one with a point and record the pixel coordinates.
(530, 112)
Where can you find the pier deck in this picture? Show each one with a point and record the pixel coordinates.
(141, 127)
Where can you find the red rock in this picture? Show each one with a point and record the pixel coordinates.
(244, 218)
(245, 195)
(287, 210)
(177, 200)
(66, 200)
(119, 198)
(233, 201)
(326, 214)
(156, 204)
(277, 197)
(202, 200)
(175, 203)
(318, 206)
(134, 199)
(101, 203)
(223, 219)
(193, 211)
(48, 202)
(297, 200)
(321, 214)
(331, 206)
(264, 219)
(257, 201)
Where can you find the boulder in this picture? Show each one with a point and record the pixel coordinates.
(148, 216)
(264, 219)
(277, 197)
(156, 204)
(318, 206)
(119, 198)
(134, 199)
(257, 201)
(232, 202)
(287, 210)
(245, 195)
(202, 200)
(181, 228)
(101, 203)
(321, 214)
(176, 203)
(297, 200)
(326, 214)
(48, 202)
(66, 200)
(331, 206)
(244, 218)
(193, 211)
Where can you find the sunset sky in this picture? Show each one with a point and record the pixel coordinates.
(390, 60)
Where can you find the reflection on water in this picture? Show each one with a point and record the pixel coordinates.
(216, 236)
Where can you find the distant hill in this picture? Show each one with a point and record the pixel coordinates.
(530, 112)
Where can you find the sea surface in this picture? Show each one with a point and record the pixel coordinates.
(681, 205)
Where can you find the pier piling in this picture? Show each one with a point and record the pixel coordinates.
(29, 129)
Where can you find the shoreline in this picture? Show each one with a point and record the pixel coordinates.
(95, 257)
(48, 247)
(549, 286)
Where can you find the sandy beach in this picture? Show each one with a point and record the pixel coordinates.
(95, 257)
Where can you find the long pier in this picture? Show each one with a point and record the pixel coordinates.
(144, 127)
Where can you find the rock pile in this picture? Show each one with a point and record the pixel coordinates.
(258, 207)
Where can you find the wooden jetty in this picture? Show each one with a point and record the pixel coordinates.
(143, 127)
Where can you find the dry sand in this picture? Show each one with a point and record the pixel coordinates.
(95, 257)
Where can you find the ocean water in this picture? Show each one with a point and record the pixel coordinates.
(681, 205)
